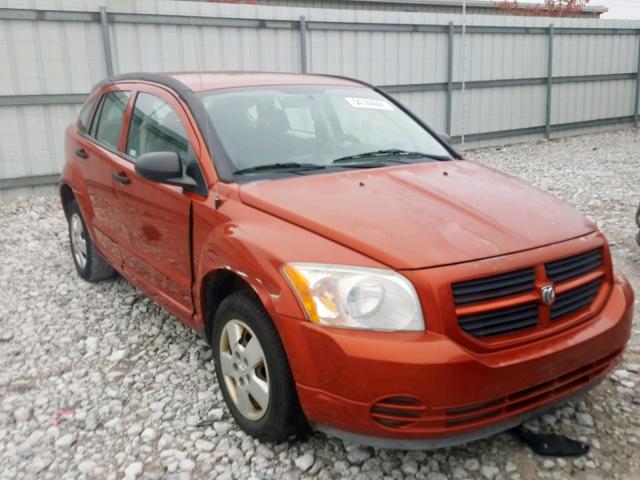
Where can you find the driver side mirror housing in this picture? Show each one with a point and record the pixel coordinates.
(164, 167)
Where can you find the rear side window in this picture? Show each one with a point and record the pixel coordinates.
(106, 127)
(155, 127)
(84, 118)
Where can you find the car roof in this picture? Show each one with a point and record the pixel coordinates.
(206, 81)
(187, 85)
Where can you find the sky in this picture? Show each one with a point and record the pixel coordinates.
(620, 9)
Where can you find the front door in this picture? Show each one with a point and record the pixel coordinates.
(153, 218)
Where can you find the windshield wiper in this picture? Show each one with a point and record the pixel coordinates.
(391, 152)
(280, 166)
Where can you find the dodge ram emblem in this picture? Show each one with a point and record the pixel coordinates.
(548, 294)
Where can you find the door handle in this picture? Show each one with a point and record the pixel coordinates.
(121, 178)
(82, 153)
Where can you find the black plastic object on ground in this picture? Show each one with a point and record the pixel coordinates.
(551, 445)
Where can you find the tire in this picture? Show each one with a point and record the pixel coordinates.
(89, 263)
(280, 416)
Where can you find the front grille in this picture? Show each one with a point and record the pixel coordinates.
(473, 291)
(573, 267)
(574, 300)
(511, 302)
(500, 322)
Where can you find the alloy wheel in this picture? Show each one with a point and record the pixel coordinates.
(78, 241)
(245, 370)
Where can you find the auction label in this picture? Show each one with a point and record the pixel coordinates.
(370, 103)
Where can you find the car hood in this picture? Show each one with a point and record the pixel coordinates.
(421, 215)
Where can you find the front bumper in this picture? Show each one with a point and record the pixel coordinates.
(423, 390)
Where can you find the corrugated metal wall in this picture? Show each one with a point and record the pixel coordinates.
(52, 53)
(481, 7)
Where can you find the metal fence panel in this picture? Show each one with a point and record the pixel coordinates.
(380, 58)
(594, 54)
(496, 56)
(430, 106)
(32, 139)
(499, 108)
(607, 99)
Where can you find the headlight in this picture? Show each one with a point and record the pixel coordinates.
(355, 297)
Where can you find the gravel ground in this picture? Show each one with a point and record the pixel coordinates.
(98, 382)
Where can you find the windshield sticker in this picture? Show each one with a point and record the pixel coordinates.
(371, 103)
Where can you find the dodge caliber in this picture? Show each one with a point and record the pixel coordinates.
(351, 272)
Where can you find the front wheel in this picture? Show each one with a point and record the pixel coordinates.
(88, 261)
(253, 371)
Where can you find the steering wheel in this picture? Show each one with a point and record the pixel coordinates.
(343, 141)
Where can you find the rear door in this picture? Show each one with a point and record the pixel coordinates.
(153, 218)
(96, 150)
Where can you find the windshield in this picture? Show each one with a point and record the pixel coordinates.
(309, 128)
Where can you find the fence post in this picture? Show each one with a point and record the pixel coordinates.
(635, 109)
(449, 79)
(104, 23)
(547, 123)
(303, 44)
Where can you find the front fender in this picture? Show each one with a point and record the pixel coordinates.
(255, 245)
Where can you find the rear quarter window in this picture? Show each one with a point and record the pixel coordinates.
(84, 117)
(106, 126)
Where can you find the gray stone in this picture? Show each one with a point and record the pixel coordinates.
(472, 464)
(38, 464)
(358, 454)
(204, 445)
(118, 355)
(187, 465)
(410, 467)
(490, 472)
(305, 461)
(148, 434)
(584, 419)
(22, 414)
(133, 470)
(65, 441)
(87, 467)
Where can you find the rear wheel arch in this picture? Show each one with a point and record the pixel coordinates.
(66, 196)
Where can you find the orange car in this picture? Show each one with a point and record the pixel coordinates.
(351, 271)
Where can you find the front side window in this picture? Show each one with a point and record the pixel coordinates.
(155, 127)
(316, 126)
(106, 127)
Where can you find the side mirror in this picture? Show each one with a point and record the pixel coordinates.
(445, 136)
(164, 167)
